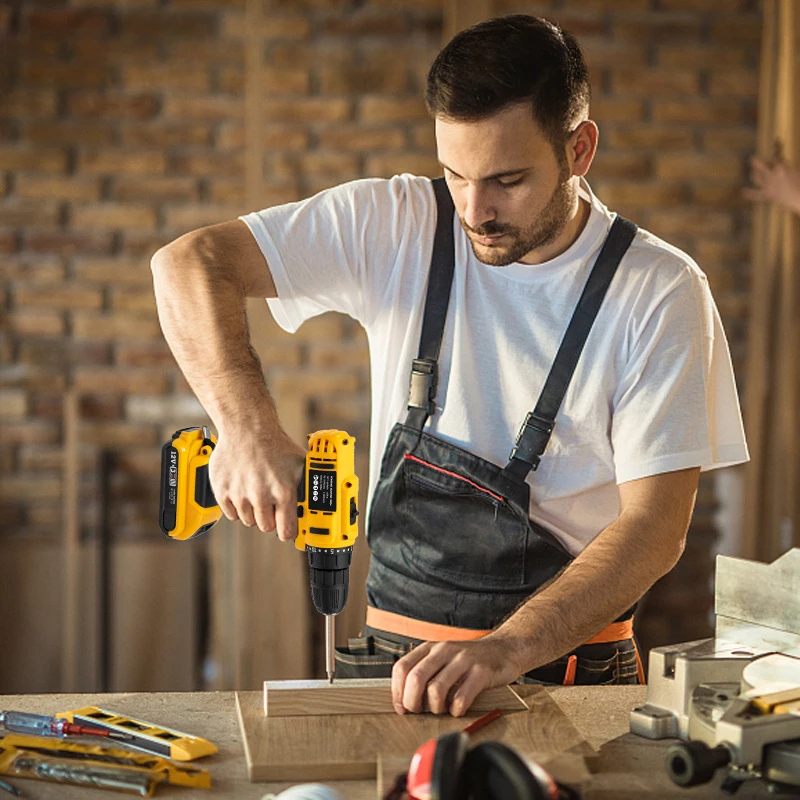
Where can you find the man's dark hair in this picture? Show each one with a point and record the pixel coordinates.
(511, 60)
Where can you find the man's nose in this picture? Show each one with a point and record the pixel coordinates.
(478, 208)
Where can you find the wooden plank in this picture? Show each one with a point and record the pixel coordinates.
(349, 746)
(71, 540)
(359, 696)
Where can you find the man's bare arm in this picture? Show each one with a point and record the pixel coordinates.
(201, 283)
(608, 577)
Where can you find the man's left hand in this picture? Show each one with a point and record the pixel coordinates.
(448, 676)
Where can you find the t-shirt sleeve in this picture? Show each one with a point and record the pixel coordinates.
(336, 251)
(677, 405)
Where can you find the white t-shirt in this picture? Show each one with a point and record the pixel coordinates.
(653, 391)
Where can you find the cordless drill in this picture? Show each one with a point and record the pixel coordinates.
(327, 510)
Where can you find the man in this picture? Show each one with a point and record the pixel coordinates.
(484, 568)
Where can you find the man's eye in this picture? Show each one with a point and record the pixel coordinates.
(507, 184)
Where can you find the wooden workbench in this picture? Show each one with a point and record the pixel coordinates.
(626, 767)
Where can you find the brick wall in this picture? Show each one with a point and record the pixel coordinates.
(122, 125)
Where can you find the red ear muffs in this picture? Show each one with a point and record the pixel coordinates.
(436, 766)
(493, 771)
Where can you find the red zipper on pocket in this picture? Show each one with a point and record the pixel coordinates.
(455, 475)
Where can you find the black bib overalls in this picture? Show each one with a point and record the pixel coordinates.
(450, 534)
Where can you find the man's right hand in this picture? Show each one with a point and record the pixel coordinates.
(255, 479)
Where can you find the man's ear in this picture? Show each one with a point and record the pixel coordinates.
(581, 147)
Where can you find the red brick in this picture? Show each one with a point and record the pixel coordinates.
(155, 190)
(735, 83)
(33, 268)
(66, 243)
(616, 109)
(385, 109)
(276, 27)
(648, 82)
(31, 186)
(117, 434)
(27, 321)
(642, 194)
(33, 487)
(117, 325)
(144, 354)
(122, 162)
(160, 135)
(214, 50)
(30, 432)
(231, 80)
(706, 56)
(742, 139)
(698, 165)
(601, 52)
(222, 192)
(423, 137)
(115, 216)
(361, 138)
(726, 195)
(117, 270)
(742, 29)
(417, 164)
(316, 162)
(15, 212)
(132, 300)
(99, 406)
(60, 132)
(377, 75)
(65, 74)
(168, 76)
(699, 6)
(23, 157)
(207, 162)
(308, 109)
(386, 23)
(113, 380)
(65, 22)
(214, 108)
(57, 295)
(9, 242)
(659, 29)
(142, 244)
(621, 165)
(189, 217)
(13, 403)
(113, 105)
(698, 110)
(648, 137)
(166, 25)
(690, 221)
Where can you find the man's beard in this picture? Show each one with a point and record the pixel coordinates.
(545, 229)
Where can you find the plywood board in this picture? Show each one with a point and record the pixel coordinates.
(359, 696)
(349, 746)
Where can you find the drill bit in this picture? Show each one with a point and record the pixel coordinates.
(330, 643)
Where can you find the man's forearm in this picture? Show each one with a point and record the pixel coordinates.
(606, 579)
(201, 303)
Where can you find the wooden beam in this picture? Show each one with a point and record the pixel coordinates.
(359, 696)
(70, 486)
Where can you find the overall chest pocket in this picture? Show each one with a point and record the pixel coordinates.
(464, 532)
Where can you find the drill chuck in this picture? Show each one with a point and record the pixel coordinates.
(330, 577)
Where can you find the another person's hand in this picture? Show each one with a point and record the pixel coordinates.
(776, 182)
(255, 479)
(448, 676)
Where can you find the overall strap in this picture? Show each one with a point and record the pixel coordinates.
(539, 423)
(425, 369)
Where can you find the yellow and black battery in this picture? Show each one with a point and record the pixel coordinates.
(188, 507)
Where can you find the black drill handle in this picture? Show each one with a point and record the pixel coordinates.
(693, 763)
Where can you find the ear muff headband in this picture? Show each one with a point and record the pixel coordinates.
(446, 775)
(492, 770)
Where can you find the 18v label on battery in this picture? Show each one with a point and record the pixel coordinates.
(321, 490)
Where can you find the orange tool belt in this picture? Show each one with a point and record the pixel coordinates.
(433, 632)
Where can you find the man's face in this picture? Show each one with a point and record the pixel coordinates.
(514, 197)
